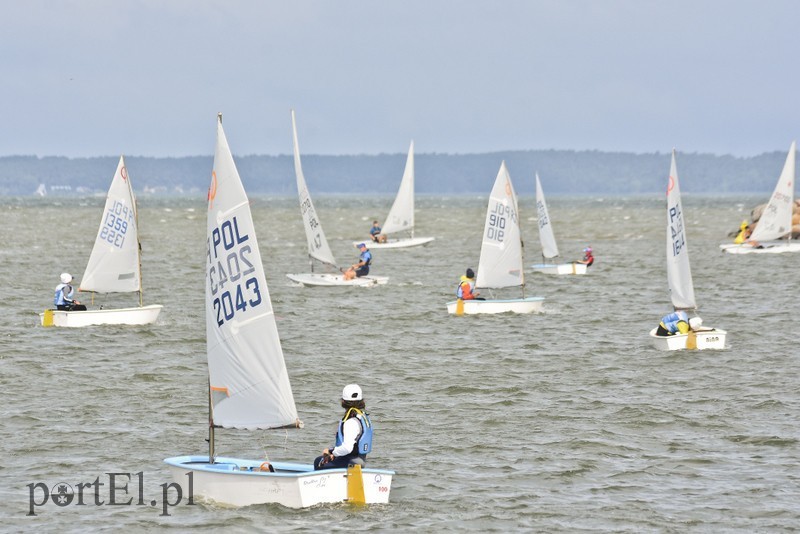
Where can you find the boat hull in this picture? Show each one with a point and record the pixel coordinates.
(237, 482)
(120, 316)
(560, 268)
(707, 339)
(396, 243)
(771, 247)
(324, 279)
(475, 307)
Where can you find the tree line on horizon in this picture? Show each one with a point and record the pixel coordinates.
(562, 172)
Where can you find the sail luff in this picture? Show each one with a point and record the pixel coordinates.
(317, 244)
(114, 265)
(546, 236)
(248, 380)
(679, 274)
(401, 214)
(776, 219)
(500, 262)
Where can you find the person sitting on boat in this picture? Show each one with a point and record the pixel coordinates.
(678, 323)
(63, 298)
(353, 436)
(466, 287)
(744, 233)
(362, 267)
(588, 259)
(375, 233)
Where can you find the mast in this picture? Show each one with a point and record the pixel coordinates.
(138, 239)
(210, 439)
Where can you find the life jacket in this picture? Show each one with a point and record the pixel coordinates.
(672, 322)
(62, 297)
(589, 259)
(464, 289)
(363, 445)
(366, 257)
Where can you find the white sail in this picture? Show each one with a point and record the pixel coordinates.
(317, 244)
(247, 374)
(679, 272)
(401, 215)
(500, 264)
(114, 265)
(546, 236)
(776, 220)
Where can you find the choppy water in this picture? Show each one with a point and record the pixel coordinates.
(562, 422)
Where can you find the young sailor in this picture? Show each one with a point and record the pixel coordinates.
(466, 286)
(677, 323)
(63, 298)
(353, 436)
(361, 268)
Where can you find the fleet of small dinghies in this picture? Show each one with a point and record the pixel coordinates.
(679, 276)
(248, 381)
(547, 239)
(115, 264)
(248, 384)
(773, 232)
(500, 265)
(318, 249)
(401, 214)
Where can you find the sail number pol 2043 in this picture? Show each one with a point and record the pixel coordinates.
(229, 270)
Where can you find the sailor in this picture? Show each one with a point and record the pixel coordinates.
(678, 323)
(361, 268)
(353, 435)
(63, 298)
(588, 259)
(466, 286)
(375, 233)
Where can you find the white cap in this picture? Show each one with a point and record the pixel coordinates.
(352, 392)
(66, 278)
(695, 323)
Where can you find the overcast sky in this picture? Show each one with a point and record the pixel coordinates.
(147, 77)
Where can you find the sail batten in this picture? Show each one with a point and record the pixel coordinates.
(500, 262)
(679, 273)
(114, 265)
(401, 214)
(248, 379)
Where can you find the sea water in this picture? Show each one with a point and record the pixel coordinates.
(557, 422)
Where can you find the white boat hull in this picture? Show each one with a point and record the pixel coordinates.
(396, 243)
(126, 316)
(707, 339)
(237, 482)
(325, 279)
(560, 268)
(770, 247)
(474, 307)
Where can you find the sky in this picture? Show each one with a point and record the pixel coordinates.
(85, 78)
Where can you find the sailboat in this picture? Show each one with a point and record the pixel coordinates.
(548, 241)
(679, 276)
(775, 223)
(249, 385)
(115, 264)
(500, 264)
(401, 214)
(318, 248)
